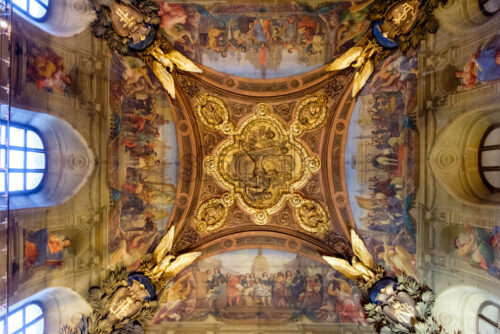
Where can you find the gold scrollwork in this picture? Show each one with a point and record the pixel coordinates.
(262, 164)
(311, 215)
(212, 112)
(310, 113)
(212, 214)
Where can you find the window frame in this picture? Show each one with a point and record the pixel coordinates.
(5, 318)
(482, 149)
(483, 10)
(480, 316)
(26, 12)
(7, 147)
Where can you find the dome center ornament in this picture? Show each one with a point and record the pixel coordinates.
(262, 163)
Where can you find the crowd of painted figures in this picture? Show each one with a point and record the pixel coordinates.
(330, 301)
(259, 34)
(144, 195)
(388, 199)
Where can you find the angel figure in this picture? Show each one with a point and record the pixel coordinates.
(134, 27)
(399, 259)
(173, 299)
(164, 266)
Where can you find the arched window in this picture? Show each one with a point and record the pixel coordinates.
(28, 319)
(26, 159)
(488, 321)
(37, 10)
(489, 7)
(489, 158)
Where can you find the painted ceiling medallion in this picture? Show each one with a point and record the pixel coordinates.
(261, 163)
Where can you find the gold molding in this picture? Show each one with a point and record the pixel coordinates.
(261, 163)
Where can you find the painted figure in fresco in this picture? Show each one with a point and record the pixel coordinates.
(481, 247)
(398, 259)
(481, 67)
(47, 70)
(346, 306)
(175, 301)
(233, 291)
(44, 248)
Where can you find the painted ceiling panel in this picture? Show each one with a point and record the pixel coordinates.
(262, 40)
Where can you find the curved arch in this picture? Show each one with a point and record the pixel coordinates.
(69, 160)
(64, 18)
(456, 308)
(454, 158)
(61, 306)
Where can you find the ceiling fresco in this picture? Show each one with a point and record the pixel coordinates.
(239, 163)
(259, 40)
(381, 160)
(262, 286)
(143, 160)
(263, 166)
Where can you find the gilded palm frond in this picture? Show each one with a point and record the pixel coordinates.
(346, 59)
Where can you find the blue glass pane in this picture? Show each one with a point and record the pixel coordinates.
(37, 11)
(16, 181)
(2, 324)
(491, 312)
(15, 321)
(45, 2)
(23, 4)
(3, 130)
(33, 180)
(16, 159)
(33, 140)
(2, 182)
(35, 160)
(37, 328)
(2, 158)
(16, 137)
(32, 312)
(486, 328)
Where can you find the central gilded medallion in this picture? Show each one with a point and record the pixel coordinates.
(261, 163)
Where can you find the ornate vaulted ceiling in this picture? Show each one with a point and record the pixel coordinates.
(262, 163)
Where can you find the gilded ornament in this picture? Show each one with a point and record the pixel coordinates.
(126, 301)
(133, 26)
(261, 163)
(310, 113)
(311, 216)
(212, 112)
(212, 214)
(392, 305)
(395, 24)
